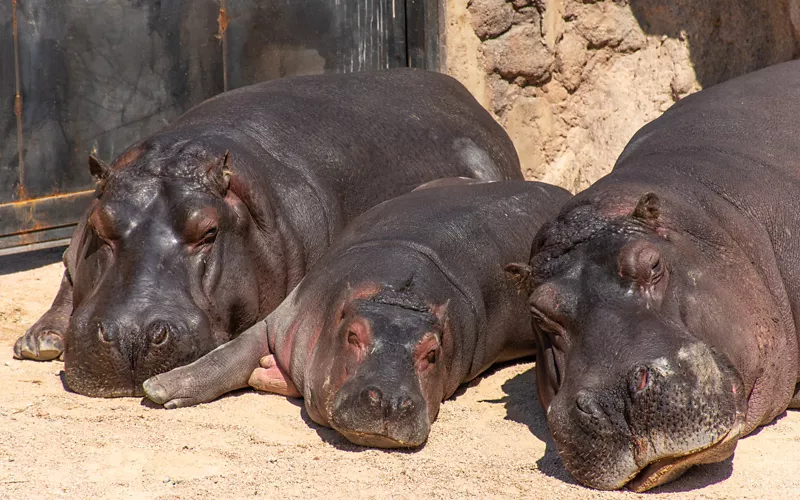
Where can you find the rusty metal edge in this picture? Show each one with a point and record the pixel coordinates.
(18, 105)
(222, 34)
(63, 242)
(48, 212)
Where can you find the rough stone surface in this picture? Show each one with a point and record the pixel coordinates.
(573, 80)
(490, 18)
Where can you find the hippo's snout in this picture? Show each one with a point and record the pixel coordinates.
(659, 418)
(383, 417)
(111, 357)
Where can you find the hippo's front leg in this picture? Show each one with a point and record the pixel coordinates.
(225, 369)
(45, 340)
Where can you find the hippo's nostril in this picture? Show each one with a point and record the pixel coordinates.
(586, 404)
(373, 396)
(160, 335)
(405, 404)
(104, 334)
(640, 379)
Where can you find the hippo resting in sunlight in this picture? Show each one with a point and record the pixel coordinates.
(202, 229)
(408, 304)
(666, 296)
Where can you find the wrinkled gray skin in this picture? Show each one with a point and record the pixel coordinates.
(666, 296)
(410, 302)
(202, 229)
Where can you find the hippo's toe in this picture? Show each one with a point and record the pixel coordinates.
(41, 345)
(171, 390)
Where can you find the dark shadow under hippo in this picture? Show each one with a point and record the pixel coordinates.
(410, 302)
(666, 296)
(202, 229)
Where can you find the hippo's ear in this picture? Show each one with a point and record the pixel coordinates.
(219, 174)
(520, 276)
(648, 208)
(100, 170)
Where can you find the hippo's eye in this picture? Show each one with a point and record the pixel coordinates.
(656, 270)
(554, 331)
(209, 236)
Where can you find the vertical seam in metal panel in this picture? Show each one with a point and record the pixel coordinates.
(222, 34)
(408, 8)
(18, 103)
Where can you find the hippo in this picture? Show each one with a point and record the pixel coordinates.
(409, 303)
(666, 296)
(200, 230)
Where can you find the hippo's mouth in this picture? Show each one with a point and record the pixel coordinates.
(374, 440)
(667, 469)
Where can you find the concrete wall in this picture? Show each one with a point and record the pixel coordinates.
(573, 80)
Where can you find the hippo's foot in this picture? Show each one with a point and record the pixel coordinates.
(270, 378)
(178, 388)
(39, 345)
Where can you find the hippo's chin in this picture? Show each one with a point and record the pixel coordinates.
(668, 469)
(379, 440)
(96, 391)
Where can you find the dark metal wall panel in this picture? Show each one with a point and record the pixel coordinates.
(9, 174)
(422, 33)
(42, 219)
(95, 76)
(99, 75)
(270, 39)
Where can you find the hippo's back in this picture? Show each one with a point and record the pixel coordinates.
(739, 137)
(467, 226)
(727, 161)
(404, 124)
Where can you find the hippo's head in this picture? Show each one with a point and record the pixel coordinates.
(633, 395)
(379, 378)
(152, 273)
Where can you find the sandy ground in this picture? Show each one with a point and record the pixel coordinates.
(490, 441)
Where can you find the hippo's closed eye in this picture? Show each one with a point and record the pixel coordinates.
(201, 227)
(641, 261)
(358, 336)
(556, 333)
(104, 222)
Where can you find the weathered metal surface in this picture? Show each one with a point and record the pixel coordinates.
(63, 242)
(48, 238)
(276, 38)
(94, 76)
(422, 32)
(31, 216)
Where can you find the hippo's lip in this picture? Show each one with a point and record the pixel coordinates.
(374, 440)
(666, 469)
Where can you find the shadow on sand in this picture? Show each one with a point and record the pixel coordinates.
(17, 263)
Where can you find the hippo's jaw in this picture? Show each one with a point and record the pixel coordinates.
(667, 469)
(381, 440)
(664, 417)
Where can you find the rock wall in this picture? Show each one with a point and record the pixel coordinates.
(573, 80)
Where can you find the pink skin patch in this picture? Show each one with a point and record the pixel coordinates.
(270, 378)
